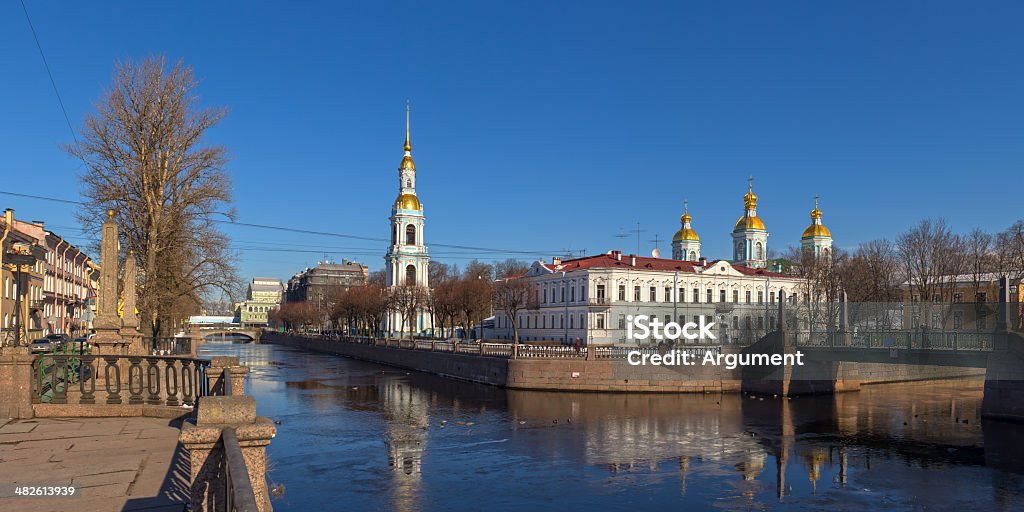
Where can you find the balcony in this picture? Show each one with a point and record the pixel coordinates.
(600, 302)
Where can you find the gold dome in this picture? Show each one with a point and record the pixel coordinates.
(407, 202)
(816, 230)
(407, 163)
(750, 222)
(685, 234)
(750, 200)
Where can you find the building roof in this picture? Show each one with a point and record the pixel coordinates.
(611, 260)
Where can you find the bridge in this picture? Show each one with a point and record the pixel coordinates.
(832, 360)
(213, 333)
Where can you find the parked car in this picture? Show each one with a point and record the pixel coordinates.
(59, 338)
(42, 345)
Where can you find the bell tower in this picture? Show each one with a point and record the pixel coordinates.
(406, 260)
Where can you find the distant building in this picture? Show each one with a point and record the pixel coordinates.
(264, 294)
(58, 285)
(322, 283)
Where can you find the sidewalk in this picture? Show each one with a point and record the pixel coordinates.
(116, 464)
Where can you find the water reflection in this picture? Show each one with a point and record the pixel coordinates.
(377, 438)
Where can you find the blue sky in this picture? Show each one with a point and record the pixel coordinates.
(541, 126)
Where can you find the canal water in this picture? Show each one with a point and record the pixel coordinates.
(359, 436)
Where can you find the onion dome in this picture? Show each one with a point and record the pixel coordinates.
(686, 232)
(816, 228)
(750, 220)
(408, 202)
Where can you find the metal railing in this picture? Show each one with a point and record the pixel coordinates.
(238, 492)
(524, 350)
(961, 341)
(148, 380)
(167, 345)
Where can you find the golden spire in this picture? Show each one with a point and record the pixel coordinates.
(408, 144)
(407, 162)
(686, 212)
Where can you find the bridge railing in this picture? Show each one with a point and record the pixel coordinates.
(135, 380)
(918, 339)
(168, 345)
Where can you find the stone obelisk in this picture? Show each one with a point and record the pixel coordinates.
(129, 319)
(108, 339)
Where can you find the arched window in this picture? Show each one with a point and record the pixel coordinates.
(394, 235)
(739, 250)
(759, 251)
(410, 274)
(693, 255)
(410, 235)
(408, 183)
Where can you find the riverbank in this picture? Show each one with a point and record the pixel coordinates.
(540, 374)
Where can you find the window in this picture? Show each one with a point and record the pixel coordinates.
(572, 294)
(622, 321)
(760, 322)
(571, 322)
(710, 297)
(982, 297)
(721, 296)
(735, 295)
(583, 292)
(696, 295)
(682, 295)
(935, 321)
(958, 297)
(545, 301)
(748, 297)
(622, 292)
(654, 294)
(760, 297)
(410, 235)
(958, 319)
(410, 275)
(668, 294)
(583, 321)
(636, 293)
(600, 291)
(735, 322)
(693, 256)
(600, 321)
(759, 251)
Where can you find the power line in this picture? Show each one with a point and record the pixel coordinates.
(307, 231)
(48, 72)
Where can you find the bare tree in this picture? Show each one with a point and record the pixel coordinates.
(511, 296)
(932, 259)
(510, 268)
(145, 158)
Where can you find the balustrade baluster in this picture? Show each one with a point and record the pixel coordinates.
(172, 389)
(135, 383)
(87, 372)
(188, 383)
(60, 375)
(112, 386)
(37, 380)
(153, 380)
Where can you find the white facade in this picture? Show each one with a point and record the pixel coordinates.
(589, 298)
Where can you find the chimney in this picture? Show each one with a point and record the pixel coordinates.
(8, 217)
(39, 223)
(618, 255)
(632, 260)
(555, 260)
(703, 261)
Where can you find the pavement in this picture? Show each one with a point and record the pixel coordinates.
(116, 464)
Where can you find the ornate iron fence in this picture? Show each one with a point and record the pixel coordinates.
(135, 380)
(168, 346)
